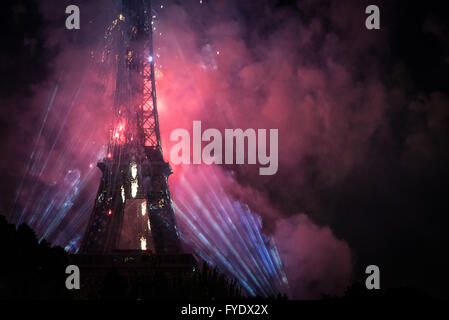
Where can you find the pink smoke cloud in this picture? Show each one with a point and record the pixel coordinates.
(292, 78)
(239, 78)
(315, 261)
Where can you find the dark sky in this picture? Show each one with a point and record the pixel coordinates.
(386, 195)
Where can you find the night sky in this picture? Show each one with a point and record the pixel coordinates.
(363, 119)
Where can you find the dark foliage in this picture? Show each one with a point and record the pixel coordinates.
(207, 284)
(30, 269)
(34, 270)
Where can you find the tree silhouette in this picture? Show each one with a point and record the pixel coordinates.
(30, 269)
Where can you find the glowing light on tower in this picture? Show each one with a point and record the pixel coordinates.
(134, 180)
(143, 243)
(122, 192)
(134, 187)
(133, 170)
(143, 208)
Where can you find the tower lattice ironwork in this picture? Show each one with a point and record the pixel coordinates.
(133, 209)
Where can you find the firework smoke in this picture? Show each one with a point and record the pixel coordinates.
(314, 74)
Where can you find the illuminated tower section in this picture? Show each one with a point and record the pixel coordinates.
(133, 209)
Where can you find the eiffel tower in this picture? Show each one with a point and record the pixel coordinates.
(133, 209)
